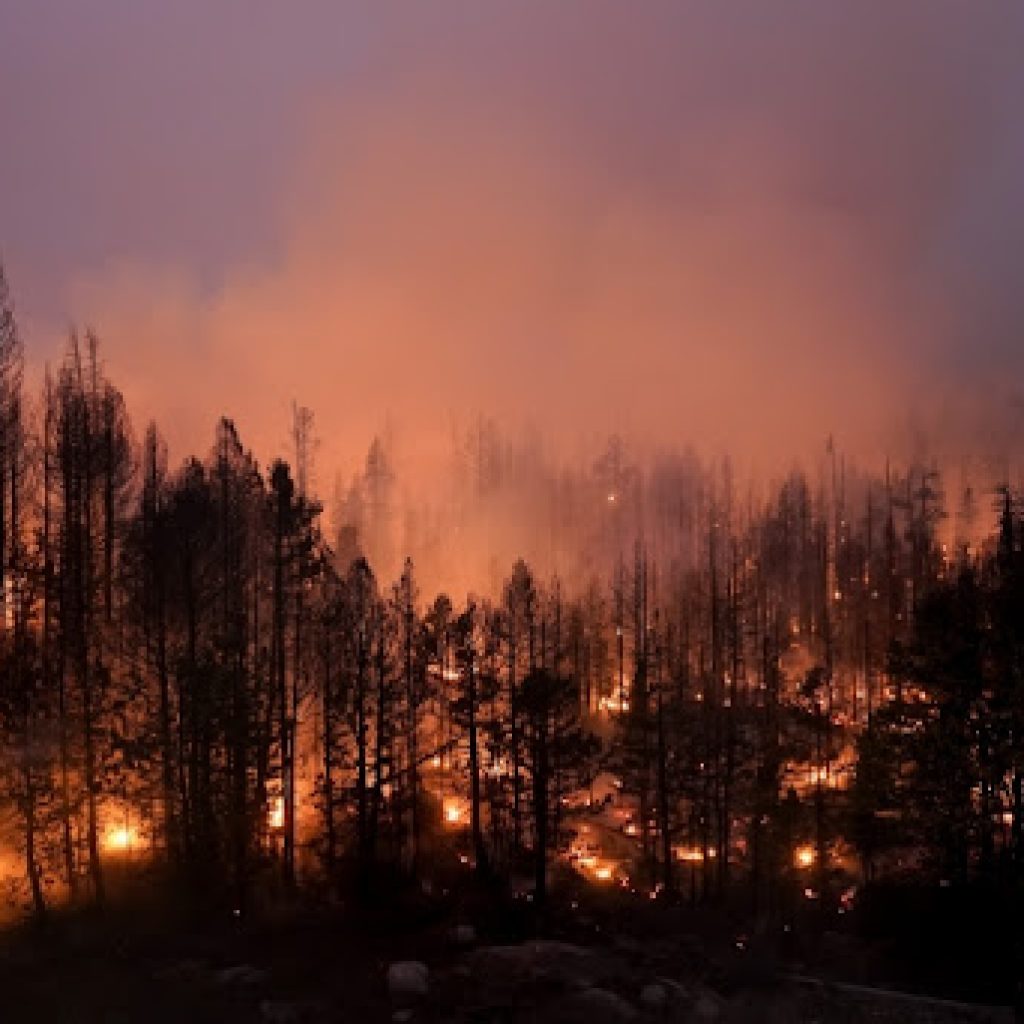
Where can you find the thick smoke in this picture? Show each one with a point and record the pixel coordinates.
(741, 229)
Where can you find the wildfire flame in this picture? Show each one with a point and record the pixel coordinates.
(276, 816)
(120, 838)
(804, 856)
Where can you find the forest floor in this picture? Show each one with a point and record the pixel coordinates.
(605, 958)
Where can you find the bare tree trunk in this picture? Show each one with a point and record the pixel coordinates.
(514, 738)
(328, 762)
(68, 564)
(411, 701)
(89, 709)
(23, 688)
(283, 737)
(380, 736)
(476, 828)
(541, 782)
(362, 725)
(293, 736)
(664, 817)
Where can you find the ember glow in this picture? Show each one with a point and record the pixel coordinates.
(454, 813)
(275, 817)
(120, 839)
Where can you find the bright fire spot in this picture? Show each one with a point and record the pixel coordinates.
(276, 815)
(452, 812)
(804, 856)
(613, 704)
(611, 498)
(121, 838)
(603, 873)
(692, 854)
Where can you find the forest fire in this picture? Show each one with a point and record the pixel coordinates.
(120, 839)
(275, 816)
(693, 854)
(636, 626)
(454, 813)
(805, 856)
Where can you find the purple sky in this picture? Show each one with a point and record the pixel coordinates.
(162, 164)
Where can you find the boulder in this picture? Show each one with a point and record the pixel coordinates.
(408, 980)
(241, 974)
(706, 1008)
(464, 935)
(654, 996)
(667, 999)
(276, 1012)
(594, 1006)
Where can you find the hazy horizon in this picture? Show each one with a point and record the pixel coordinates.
(733, 229)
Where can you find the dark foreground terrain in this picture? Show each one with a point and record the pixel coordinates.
(458, 954)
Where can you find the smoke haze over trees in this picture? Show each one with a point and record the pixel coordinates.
(534, 449)
(803, 679)
(770, 235)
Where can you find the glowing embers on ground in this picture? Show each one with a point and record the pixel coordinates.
(275, 816)
(827, 777)
(120, 839)
(693, 854)
(804, 856)
(805, 776)
(613, 703)
(587, 858)
(454, 812)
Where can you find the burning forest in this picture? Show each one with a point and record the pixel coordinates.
(526, 521)
(775, 705)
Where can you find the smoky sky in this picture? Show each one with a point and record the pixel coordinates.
(743, 226)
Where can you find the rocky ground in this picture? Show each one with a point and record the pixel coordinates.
(418, 959)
